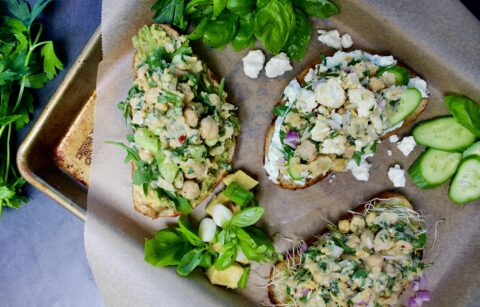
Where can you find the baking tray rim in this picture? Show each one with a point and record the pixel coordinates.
(27, 143)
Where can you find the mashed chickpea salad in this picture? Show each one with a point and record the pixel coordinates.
(367, 260)
(335, 118)
(184, 128)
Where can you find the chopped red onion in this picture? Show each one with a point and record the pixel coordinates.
(412, 302)
(306, 291)
(291, 139)
(423, 295)
(303, 247)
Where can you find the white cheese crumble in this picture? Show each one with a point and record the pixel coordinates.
(393, 138)
(420, 85)
(333, 39)
(253, 63)
(347, 41)
(360, 172)
(330, 93)
(407, 145)
(397, 176)
(330, 38)
(364, 100)
(278, 65)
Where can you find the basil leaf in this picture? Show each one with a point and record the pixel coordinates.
(185, 227)
(189, 262)
(166, 248)
(199, 29)
(247, 216)
(318, 8)
(221, 31)
(226, 257)
(241, 7)
(273, 22)
(242, 283)
(171, 12)
(260, 237)
(207, 260)
(218, 7)
(297, 44)
(465, 111)
(244, 35)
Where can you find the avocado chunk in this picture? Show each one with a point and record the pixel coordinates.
(242, 179)
(228, 277)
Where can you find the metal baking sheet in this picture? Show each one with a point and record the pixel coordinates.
(51, 156)
(437, 39)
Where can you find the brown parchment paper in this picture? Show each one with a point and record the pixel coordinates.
(439, 39)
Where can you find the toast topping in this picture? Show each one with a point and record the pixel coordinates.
(183, 126)
(367, 260)
(347, 103)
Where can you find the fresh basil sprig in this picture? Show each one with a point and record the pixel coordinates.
(26, 62)
(280, 25)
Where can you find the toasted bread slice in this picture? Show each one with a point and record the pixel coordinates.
(151, 205)
(273, 293)
(291, 185)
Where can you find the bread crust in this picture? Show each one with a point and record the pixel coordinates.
(290, 185)
(141, 202)
(274, 299)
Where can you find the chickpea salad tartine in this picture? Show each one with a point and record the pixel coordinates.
(184, 128)
(333, 118)
(369, 259)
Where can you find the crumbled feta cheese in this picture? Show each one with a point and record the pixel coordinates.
(393, 138)
(292, 90)
(320, 131)
(138, 118)
(420, 85)
(309, 76)
(330, 38)
(334, 145)
(407, 145)
(364, 100)
(306, 101)
(347, 41)
(278, 65)
(397, 176)
(253, 63)
(389, 153)
(330, 93)
(360, 172)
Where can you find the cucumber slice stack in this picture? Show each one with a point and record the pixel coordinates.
(452, 151)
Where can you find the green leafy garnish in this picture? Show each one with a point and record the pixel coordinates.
(465, 111)
(26, 63)
(280, 25)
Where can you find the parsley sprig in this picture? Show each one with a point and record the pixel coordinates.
(26, 62)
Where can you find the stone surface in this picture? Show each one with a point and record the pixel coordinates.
(42, 256)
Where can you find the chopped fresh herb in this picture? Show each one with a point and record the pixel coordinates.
(280, 110)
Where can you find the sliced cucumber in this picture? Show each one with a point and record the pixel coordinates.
(474, 149)
(434, 167)
(443, 133)
(169, 171)
(465, 185)
(402, 76)
(295, 168)
(408, 103)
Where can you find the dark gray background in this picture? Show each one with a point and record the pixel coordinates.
(42, 256)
